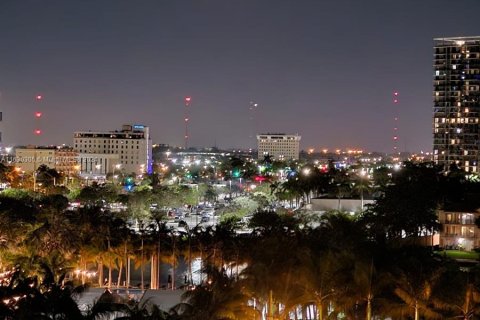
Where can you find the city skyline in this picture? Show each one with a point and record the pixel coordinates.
(326, 71)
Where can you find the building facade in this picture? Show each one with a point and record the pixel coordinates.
(459, 230)
(278, 146)
(456, 111)
(62, 159)
(129, 150)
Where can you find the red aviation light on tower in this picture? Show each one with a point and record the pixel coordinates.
(186, 118)
(39, 97)
(38, 114)
(38, 132)
(395, 138)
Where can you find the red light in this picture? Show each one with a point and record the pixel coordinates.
(39, 97)
(187, 99)
(395, 93)
(38, 132)
(260, 178)
(396, 101)
(38, 114)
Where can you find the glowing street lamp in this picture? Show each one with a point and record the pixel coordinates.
(306, 171)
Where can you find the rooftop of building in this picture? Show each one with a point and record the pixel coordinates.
(31, 147)
(457, 40)
(277, 134)
(126, 128)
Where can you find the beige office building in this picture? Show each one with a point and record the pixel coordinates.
(278, 146)
(62, 159)
(102, 152)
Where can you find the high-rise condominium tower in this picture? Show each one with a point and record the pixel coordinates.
(456, 111)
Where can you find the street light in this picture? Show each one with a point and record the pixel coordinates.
(306, 171)
(117, 166)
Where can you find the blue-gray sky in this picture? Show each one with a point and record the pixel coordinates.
(323, 69)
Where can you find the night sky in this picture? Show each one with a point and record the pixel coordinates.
(323, 69)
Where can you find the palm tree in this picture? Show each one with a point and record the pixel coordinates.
(361, 185)
(52, 298)
(317, 277)
(366, 285)
(464, 301)
(112, 306)
(341, 186)
(415, 277)
(467, 308)
(221, 298)
(157, 232)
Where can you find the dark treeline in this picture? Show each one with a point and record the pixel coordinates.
(370, 265)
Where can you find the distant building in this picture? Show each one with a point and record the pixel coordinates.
(456, 95)
(102, 152)
(98, 165)
(278, 146)
(346, 205)
(62, 159)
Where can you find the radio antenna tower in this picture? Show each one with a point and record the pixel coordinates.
(186, 119)
(396, 101)
(38, 115)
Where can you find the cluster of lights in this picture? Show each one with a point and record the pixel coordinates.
(85, 273)
(12, 300)
(339, 151)
(354, 151)
(5, 278)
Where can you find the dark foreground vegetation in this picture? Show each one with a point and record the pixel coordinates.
(370, 265)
